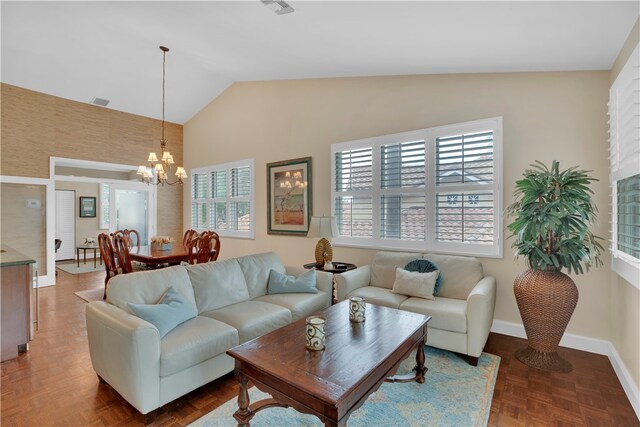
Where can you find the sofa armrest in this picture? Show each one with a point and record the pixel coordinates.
(125, 352)
(349, 281)
(324, 281)
(481, 303)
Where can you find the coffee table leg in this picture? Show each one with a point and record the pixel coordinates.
(420, 369)
(243, 415)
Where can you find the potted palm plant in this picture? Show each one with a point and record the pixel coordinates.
(553, 211)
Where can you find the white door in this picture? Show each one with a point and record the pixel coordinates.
(66, 224)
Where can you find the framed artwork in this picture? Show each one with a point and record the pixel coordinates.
(87, 207)
(289, 197)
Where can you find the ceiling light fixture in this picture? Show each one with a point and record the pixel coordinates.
(279, 7)
(161, 166)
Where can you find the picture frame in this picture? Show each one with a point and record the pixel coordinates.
(289, 197)
(87, 207)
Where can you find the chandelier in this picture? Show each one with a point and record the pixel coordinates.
(158, 171)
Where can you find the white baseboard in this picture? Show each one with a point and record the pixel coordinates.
(592, 345)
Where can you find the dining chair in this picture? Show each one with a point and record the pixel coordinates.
(127, 234)
(108, 258)
(188, 237)
(215, 243)
(123, 257)
(200, 249)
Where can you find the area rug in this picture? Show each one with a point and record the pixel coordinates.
(454, 394)
(84, 268)
(91, 294)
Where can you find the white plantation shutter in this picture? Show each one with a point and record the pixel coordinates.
(402, 181)
(624, 155)
(353, 170)
(223, 199)
(431, 189)
(199, 197)
(464, 213)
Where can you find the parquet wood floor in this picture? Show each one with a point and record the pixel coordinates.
(53, 384)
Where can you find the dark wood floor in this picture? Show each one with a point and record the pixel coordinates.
(53, 384)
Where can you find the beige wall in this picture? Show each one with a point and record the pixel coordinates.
(625, 298)
(546, 116)
(85, 227)
(36, 126)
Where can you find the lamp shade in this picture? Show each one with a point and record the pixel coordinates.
(323, 226)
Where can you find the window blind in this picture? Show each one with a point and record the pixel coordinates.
(222, 199)
(354, 170)
(354, 216)
(628, 217)
(465, 158)
(402, 165)
(464, 217)
(432, 189)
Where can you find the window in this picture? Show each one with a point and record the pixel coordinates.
(222, 199)
(104, 206)
(434, 189)
(624, 146)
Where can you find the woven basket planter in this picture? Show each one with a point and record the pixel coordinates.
(546, 300)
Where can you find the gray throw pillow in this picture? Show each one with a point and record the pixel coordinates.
(282, 284)
(172, 310)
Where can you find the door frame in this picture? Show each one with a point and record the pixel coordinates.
(90, 164)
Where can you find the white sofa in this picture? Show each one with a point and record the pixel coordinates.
(462, 312)
(230, 297)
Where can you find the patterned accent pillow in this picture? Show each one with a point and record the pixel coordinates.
(425, 266)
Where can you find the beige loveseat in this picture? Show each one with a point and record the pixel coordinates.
(462, 311)
(232, 305)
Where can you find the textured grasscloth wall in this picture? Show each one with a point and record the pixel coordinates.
(546, 116)
(36, 126)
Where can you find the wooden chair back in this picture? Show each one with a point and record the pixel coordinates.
(123, 257)
(128, 237)
(189, 235)
(200, 249)
(215, 243)
(108, 258)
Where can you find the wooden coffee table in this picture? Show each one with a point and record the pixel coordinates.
(333, 382)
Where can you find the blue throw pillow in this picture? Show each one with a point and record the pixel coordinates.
(282, 284)
(425, 266)
(171, 311)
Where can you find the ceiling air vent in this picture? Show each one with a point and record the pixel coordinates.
(100, 101)
(278, 6)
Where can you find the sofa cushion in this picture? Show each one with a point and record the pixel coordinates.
(414, 283)
(460, 274)
(282, 284)
(148, 287)
(300, 305)
(217, 284)
(380, 296)
(447, 314)
(256, 270)
(172, 310)
(193, 342)
(425, 266)
(252, 318)
(383, 267)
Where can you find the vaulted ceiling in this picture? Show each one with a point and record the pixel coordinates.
(81, 50)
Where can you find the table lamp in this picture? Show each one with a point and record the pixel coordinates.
(326, 228)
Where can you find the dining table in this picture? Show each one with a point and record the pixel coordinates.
(155, 257)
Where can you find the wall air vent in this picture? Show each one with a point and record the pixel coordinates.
(279, 7)
(100, 101)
